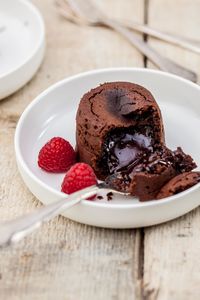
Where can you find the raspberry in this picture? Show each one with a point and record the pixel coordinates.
(57, 155)
(78, 177)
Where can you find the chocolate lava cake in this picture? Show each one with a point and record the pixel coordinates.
(119, 131)
(178, 184)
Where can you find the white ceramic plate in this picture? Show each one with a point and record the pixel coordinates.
(53, 114)
(22, 43)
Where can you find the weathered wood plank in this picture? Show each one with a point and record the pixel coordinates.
(171, 255)
(66, 260)
(179, 17)
(171, 259)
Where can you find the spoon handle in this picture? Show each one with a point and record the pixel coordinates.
(15, 230)
(182, 42)
(160, 61)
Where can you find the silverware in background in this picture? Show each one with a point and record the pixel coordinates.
(86, 13)
(185, 43)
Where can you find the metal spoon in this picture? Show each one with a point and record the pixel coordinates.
(84, 12)
(180, 41)
(14, 230)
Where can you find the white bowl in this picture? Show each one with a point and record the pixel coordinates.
(53, 114)
(22, 44)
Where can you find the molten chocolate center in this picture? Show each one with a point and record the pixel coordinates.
(126, 150)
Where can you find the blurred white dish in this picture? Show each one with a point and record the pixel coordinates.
(53, 114)
(22, 44)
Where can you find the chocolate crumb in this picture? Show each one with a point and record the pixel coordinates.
(109, 196)
(99, 197)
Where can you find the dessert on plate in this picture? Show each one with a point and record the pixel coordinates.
(119, 131)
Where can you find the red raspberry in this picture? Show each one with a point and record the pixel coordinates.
(78, 177)
(57, 155)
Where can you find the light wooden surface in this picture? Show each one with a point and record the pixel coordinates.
(69, 261)
(171, 251)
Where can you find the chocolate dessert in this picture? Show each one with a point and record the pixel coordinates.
(179, 184)
(120, 131)
(146, 178)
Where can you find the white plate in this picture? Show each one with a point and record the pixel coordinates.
(22, 43)
(53, 114)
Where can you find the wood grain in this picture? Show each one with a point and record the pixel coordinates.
(181, 17)
(171, 250)
(65, 260)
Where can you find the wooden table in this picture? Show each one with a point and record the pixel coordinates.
(67, 260)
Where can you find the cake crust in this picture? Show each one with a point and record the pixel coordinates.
(119, 131)
(110, 106)
(179, 184)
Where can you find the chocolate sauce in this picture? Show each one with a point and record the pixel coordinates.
(132, 150)
(124, 150)
(127, 150)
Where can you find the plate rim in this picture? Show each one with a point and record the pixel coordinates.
(36, 100)
(39, 44)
